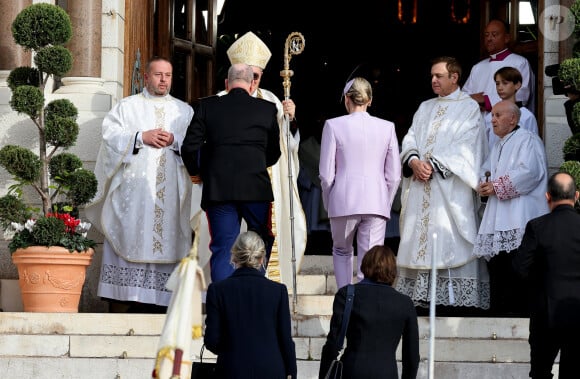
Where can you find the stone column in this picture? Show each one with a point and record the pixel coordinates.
(85, 43)
(12, 55)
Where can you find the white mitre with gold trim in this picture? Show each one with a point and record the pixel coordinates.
(249, 49)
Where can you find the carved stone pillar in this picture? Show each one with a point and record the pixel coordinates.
(12, 55)
(85, 43)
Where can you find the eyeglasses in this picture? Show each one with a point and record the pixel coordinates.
(257, 76)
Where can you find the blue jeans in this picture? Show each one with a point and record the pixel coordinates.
(224, 220)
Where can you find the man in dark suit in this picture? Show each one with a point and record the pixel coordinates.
(549, 257)
(231, 142)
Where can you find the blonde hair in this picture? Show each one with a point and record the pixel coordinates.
(360, 92)
(248, 250)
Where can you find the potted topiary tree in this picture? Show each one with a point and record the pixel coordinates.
(48, 230)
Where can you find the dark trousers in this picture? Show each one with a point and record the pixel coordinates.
(545, 342)
(224, 220)
(508, 293)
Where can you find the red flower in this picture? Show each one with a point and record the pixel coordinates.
(70, 222)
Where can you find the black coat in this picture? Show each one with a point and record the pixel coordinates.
(549, 256)
(230, 143)
(248, 326)
(380, 316)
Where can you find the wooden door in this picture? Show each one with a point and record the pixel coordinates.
(138, 42)
(186, 31)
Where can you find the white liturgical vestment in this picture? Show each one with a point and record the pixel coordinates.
(481, 78)
(527, 122)
(439, 216)
(519, 174)
(144, 196)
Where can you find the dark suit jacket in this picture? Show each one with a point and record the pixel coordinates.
(248, 326)
(231, 141)
(549, 256)
(380, 317)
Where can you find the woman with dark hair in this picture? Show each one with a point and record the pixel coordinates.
(380, 317)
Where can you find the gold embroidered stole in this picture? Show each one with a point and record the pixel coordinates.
(273, 271)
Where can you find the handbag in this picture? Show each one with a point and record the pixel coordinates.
(203, 370)
(335, 369)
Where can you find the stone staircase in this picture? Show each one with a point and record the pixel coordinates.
(123, 346)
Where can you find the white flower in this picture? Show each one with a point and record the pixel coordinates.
(83, 228)
(9, 234)
(17, 227)
(30, 225)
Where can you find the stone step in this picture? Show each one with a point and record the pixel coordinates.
(124, 345)
(113, 345)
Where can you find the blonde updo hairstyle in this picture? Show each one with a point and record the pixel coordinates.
(248, 250)
(360, 91)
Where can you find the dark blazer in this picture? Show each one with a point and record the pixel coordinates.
(549, 256)
(248, 326)
(231, 141)
(380, 317)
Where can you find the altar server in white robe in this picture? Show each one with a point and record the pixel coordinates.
(143, 202)
(515, 194)
(251, 50)
(441, 156)
(508, 82)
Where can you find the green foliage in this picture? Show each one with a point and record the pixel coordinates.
(572, 168)
(569, 72)
(28, 100)
(82, 186)
(23, 76)
(575, 10)
(571, 147)
(61, 131)
(13, 209)
(54, 60)
(62, 164)
(60, 123)
(48, 231)
(21, 163)
(576, 118)
(58, 178)
(40, 25)
(62, 108)
(56, 229)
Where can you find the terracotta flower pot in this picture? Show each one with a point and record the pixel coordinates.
(51, 279)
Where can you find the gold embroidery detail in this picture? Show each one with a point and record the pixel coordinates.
(160, 185)
(441, 111)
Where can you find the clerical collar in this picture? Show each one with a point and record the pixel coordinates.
(507, 136)
(148, 95)
(453, 95)
(499, 56)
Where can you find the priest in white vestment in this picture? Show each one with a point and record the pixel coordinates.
(515, 194)
(441, 156)
(481, 84)
(249, 49)
(142, 206)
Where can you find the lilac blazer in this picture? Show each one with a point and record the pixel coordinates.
(360, 168)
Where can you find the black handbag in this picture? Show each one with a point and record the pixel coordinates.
(335, 369)
(203, 370)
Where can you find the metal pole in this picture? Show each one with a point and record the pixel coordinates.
(432, 304)
(294, 45)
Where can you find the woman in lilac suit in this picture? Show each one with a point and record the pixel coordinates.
(360, 171)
